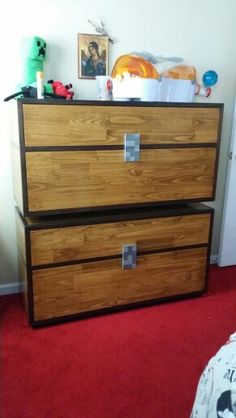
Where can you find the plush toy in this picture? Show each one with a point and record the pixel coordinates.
(33, 53)
(61, 90)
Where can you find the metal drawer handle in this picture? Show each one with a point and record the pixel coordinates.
(131, 147)
(129, 255)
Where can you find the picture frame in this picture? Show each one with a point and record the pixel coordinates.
(92, 55)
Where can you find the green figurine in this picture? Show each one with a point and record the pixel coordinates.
(33, 53)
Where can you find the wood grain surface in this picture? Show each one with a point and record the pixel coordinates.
(67, 125)
(103, 240)
(82, 179)
(17, 175)
(85, 287)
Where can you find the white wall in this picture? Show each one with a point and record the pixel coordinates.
(203, 32)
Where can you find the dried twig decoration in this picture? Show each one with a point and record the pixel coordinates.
(100, 28)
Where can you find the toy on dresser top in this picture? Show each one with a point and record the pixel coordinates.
(32, 85)
(144, 76)
(61, 90)
(34, 54)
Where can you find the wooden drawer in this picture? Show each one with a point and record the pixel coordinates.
(97, 285)
(90, 179)
(73, 265)
(72, 155)
(70, 125)
(71, 243)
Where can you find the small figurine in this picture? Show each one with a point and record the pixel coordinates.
(61, 90)
(210, 78)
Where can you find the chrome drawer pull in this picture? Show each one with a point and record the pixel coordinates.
(129, 254)
(131, 147)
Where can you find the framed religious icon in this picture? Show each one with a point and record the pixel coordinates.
(92, 55)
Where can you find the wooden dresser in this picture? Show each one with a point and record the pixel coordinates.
(108, 203)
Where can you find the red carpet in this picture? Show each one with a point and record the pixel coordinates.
(143, 363)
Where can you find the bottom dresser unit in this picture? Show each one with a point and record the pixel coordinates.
(72, 267)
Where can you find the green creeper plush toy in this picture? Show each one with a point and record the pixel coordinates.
(33, 53)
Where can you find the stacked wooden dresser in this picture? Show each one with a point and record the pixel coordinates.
(108, 203)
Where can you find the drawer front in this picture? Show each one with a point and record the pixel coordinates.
(69, 290)
(67, 125)
(56, 245)
(86, 179)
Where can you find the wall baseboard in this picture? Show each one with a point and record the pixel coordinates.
(213, 259)
(9, 288)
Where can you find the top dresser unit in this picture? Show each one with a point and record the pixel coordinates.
(79, 156)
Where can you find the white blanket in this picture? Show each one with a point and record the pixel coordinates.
(216, 391)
